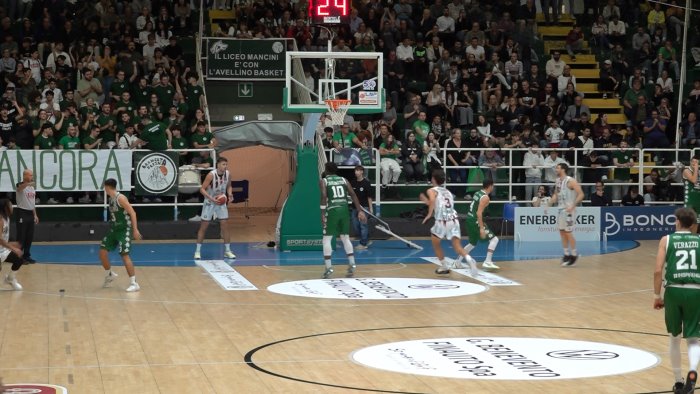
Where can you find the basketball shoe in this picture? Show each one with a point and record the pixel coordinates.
(133, 287)
(13, 282)
(109, 279)
(489, 266)
(197, 256)
(327, 273)
(228, 254)
(690, 382)
(351, 271)
(569, 261)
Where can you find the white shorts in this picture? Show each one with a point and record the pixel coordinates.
(565, 221)
(446, 229)
(211, 211)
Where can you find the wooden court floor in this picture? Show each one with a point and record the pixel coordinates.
(183, 334)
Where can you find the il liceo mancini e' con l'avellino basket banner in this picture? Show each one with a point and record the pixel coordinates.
(66, 170)
(250, 60)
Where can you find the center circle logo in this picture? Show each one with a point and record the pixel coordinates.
(376, 288)
(156, 173)
(505, 358)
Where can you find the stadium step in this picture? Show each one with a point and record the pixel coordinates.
(580, 59)
(609, 106)
(614, 119)
(560, 45)
(564, 19)
(219, 15)
(586, 73)
(586, 88)
(548, 33)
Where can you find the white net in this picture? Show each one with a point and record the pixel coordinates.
(337, 108)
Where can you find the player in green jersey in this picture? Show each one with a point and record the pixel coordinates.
(692, 188)
(335, 216)
(123, 229)
(677, 258)
(477, 229)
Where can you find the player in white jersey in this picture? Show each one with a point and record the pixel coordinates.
(567, 194)
(216, 183)
(440, 203)
(10, 252)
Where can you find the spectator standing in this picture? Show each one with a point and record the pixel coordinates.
(623, 160)
(574, 41)
(364, 191)
(534, 161)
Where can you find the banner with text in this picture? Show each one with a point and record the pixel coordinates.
(66, 170)
(251, 60)
(533, 224)
(636, 223)
(156, 173)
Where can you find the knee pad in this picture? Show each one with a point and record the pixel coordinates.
(327, 248)
(347, 245)
(493, 243)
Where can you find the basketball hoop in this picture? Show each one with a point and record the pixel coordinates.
(338, 108)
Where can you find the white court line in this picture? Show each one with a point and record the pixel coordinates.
(327, 302)
(170, 365)
(360, 269)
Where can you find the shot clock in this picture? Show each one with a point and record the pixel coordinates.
(329, 11)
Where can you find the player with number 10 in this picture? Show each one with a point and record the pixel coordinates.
(335, 216)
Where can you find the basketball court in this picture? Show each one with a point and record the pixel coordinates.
(294, 333)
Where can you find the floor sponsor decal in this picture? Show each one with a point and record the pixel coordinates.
(483, 276)
(34, 388)
(505, 358)
(376, 288)
(227, 277)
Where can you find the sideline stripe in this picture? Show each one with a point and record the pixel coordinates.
(483, 276)
(227, 277)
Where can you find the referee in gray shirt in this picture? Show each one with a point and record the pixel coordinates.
(25, 214)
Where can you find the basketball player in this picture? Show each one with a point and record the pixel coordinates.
(9, 251)
(122, 230)
(567, 194)
(26, 217)
(692, 188)
(216, 183)
(677, 257)
(335, 217)
(476, 227)
(440, 203)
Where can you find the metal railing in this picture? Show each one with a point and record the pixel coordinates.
(198, 63)
(659, 159)
(105, 203)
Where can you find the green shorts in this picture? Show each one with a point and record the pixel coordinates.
(473, 231)
(682, 308)
(337, 222)
(117, 238)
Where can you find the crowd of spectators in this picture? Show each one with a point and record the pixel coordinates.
(467, 75)
(98, 75)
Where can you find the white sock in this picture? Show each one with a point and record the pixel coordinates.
(132, 279)
(227, 247)
(693, 354)
(443, 263)
(574, 252)
(199, 248)
(566, 251)
(489, 256)
(108, 271)
(468, 248)
(675, 353)
(351, 259)
(327, 262)
(11, 275)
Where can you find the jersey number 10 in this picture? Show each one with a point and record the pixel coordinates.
(682, 260)
(338, 191)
